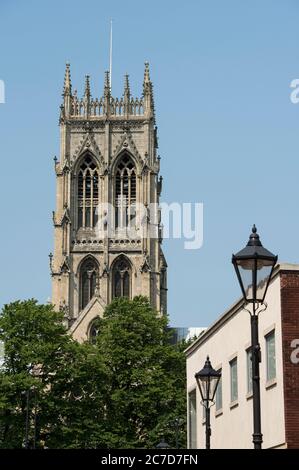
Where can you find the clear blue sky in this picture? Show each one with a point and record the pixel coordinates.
(228, 132)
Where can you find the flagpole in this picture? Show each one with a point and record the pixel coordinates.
(110, 56)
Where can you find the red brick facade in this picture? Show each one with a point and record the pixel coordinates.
(289, 284)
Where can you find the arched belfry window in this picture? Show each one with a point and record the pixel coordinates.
(88, 193)
(88, 281)
(125, 191)
(121, 278)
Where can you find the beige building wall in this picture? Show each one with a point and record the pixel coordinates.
(227, 338)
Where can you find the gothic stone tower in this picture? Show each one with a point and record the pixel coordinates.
(108, 166)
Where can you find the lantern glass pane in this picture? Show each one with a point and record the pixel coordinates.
(262, 280)
(208, 386)
(214, 382)
(205, 384)
(246, 270)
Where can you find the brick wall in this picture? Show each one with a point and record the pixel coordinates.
(289, 284)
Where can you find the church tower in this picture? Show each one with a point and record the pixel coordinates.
(107, 226)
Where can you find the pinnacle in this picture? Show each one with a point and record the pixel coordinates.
(87, 85)
(107, 79)
(127, 85)
(67, 88)
(146, 72)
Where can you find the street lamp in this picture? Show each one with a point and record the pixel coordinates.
(163, 444)
(28, 394)
(254, 267)
(177, 423)
(207, 380)
(31, 394)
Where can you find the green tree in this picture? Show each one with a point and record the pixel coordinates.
(65, 381)
(147, 381)
(125, 391)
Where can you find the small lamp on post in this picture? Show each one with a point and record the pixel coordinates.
(177, 423)
(163, 444)
(254, 266)
(207, 380)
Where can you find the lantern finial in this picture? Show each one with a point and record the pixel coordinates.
(254, 239)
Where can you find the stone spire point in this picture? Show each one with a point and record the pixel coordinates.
(67, 88)
(87, 85)
(146, 72)
(127, 85)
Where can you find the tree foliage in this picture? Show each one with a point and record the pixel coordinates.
(127, 390)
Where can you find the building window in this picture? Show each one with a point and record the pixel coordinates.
(249, 370)
(88, 193)
(218, 397)
(233, 380)
(192, 420)
(94, 331)
(122, 278)
(88, 280)
(125, 192)
(270, 353)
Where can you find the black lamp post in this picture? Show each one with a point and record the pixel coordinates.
(176, 423)
(207, 380)
(254, 267)
(29, 394)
